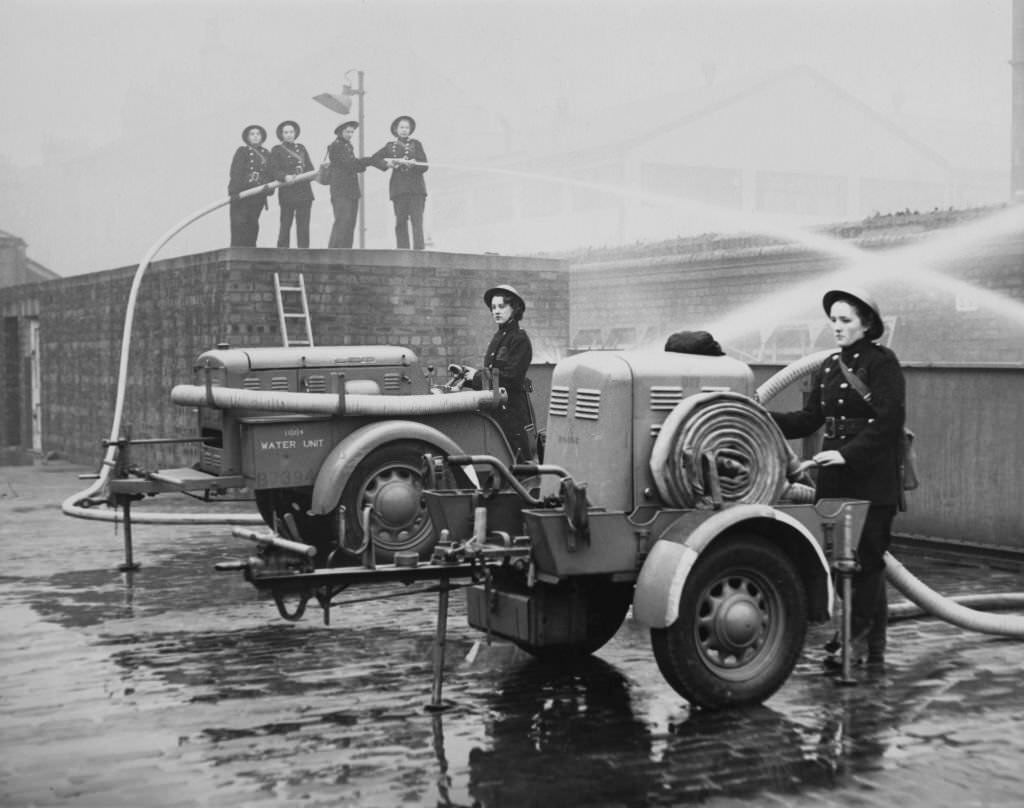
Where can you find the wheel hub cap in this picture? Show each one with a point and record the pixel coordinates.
(396, 503)
(733, 622)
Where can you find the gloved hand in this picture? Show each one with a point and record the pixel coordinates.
(462, 371)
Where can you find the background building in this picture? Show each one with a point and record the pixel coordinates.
(792, 144)
(15, 265)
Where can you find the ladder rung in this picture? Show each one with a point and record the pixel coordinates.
(302, 314)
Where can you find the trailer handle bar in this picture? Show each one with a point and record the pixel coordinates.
(507, 474)
(298, 548)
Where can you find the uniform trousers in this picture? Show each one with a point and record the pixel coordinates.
(409, 210)
(345, 211)
(245, 220)
(299, 212)
(869, 612)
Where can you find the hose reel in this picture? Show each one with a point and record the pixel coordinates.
(720, 447)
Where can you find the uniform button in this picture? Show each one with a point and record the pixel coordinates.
(843, 386)
(840, 401)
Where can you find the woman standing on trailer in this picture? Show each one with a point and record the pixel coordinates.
(289, 158)
(859, 396)
(250, 168)
(509, 354)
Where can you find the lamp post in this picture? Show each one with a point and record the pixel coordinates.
(342, 103)
(359, 93)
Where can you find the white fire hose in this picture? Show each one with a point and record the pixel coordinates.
(78, 504)
(720, 446)
(354, 404)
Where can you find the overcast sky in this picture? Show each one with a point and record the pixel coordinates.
(183, 78)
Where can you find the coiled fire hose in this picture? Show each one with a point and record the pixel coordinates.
(720, 447)
(78, 504)
(952, 610)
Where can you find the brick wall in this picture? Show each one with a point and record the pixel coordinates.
(431, 302)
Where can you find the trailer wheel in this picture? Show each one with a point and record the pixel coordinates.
(605, 604)
(741, 626)
(389, 480)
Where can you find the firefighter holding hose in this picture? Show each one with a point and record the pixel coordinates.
(858, 396)
(250, 168)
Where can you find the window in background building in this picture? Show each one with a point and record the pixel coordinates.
(713, 186)
(795, 192)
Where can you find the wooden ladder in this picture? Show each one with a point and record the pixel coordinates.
(285, 315)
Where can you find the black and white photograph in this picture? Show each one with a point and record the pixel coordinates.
(507, 403)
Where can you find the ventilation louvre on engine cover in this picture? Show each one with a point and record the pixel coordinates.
(559, 403)
(588, 404)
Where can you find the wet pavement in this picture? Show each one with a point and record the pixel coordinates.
(177, 685)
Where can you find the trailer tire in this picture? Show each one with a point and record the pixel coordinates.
(390, 480)
(741, 625)
(606, 603)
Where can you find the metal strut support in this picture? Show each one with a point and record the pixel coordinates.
(845, 564)
(437, 703)
(124, 501)
(129, 564)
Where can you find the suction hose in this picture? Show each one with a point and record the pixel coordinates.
(355, 404)
(78, 504)
(911, 587)
(1007, 625)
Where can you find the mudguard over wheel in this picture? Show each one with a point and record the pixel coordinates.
(389, 480)
(741, 626)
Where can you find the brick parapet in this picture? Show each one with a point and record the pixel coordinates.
(431, 302)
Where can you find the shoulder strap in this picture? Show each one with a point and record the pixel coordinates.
(855, 383)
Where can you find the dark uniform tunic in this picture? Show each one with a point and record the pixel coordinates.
(510, 353)
(407, 188)
(288, 159)
(250, 167)
(345, 190)
(867, 435)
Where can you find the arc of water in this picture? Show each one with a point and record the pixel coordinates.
(862, 266)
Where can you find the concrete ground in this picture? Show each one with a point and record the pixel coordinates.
(178, 686)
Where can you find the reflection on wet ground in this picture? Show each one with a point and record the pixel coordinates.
(178, 686)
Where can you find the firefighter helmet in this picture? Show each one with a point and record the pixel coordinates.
(875, 329)
(505, 290)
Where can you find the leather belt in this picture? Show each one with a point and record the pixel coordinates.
(844, 427)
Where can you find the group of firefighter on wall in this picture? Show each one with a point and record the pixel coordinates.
(253, 165)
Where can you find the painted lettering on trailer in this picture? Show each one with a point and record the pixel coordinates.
(277, 444)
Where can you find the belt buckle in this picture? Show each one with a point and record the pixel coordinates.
(830, 426)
